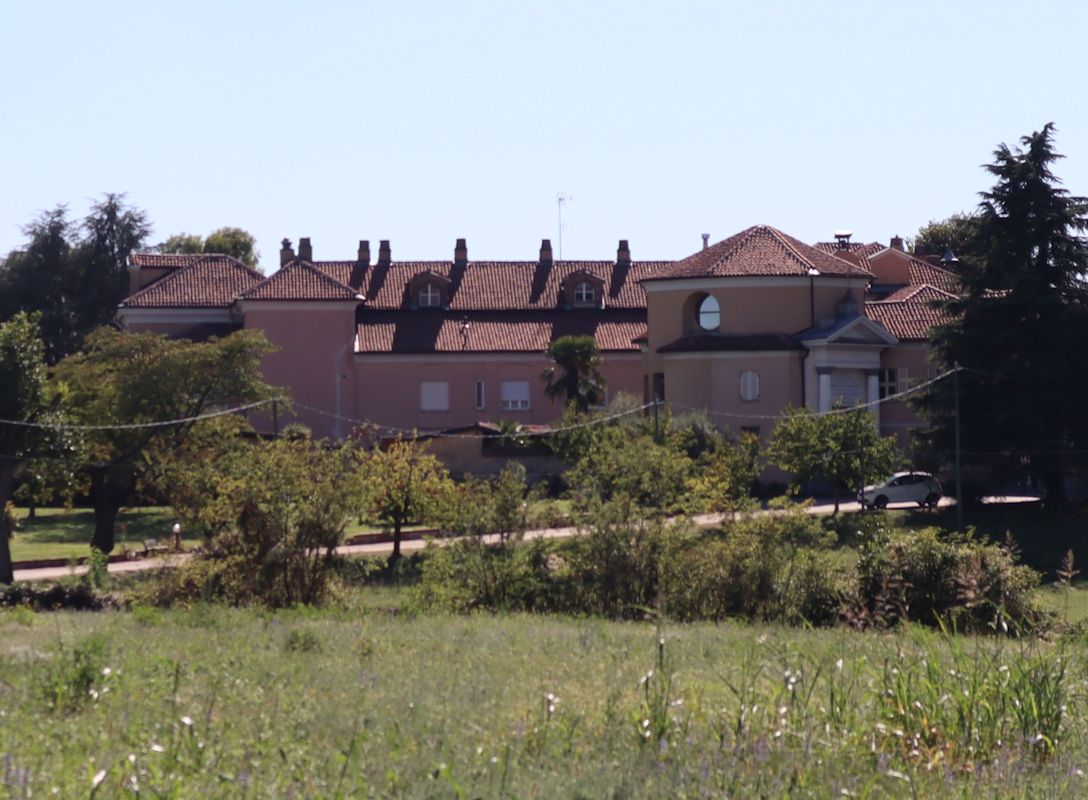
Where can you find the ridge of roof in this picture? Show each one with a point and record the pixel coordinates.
(910, 292)
(760, 251)
(300, 280)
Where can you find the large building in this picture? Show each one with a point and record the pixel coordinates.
(740, 329)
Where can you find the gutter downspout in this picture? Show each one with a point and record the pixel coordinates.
(811, 324)
(337, 427)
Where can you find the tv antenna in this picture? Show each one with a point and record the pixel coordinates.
(561, 200)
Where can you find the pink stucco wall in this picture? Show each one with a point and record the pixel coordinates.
(387, 389)
(313, 360)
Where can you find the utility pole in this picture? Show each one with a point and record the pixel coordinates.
(959, 474)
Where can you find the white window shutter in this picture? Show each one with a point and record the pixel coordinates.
(434, 396)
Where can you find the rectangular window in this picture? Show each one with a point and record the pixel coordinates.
(889, 383)
(749, 386)
(434, 396)
(480, 395)
(659, 386)
(515, 396)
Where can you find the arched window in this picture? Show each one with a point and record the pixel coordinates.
(584, 294)
(430, 296)
(708, 314)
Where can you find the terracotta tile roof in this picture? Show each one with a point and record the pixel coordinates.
(206, 282)
(494, 332)
(164, 260)
(861, 250)
(495, 285)
(759, 251)
(923, 291)
(716, 342)
(300, 280)
(922, 272)
(910, 318)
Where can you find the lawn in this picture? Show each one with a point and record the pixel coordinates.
(66, 533)
(376, 699)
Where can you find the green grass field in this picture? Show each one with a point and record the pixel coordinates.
(375, 700)
(66, 533)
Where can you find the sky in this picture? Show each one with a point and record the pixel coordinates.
(423, 122)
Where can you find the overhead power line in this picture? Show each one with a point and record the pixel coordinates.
(128, 426)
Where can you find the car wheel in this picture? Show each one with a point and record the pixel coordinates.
(932, 499)
(880, 502)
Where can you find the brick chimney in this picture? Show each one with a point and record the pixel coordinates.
(897, 243)
(385, 257)
(623, 254)
(287, 254)
(460, 253)
(706, 240)
(546, 251)
(305, 252)
(364, 252)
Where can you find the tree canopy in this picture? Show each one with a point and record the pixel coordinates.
(74, 274)
(405, 484)
(1018, 327)
(957, 232)
(843, 448)
(24, 397)
(234, 242)
(575, 374)
(124, 379)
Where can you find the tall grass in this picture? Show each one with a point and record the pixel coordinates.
(375, 701)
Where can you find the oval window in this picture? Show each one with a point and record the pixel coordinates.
(709, 314)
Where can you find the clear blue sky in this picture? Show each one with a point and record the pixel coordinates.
(424, 122)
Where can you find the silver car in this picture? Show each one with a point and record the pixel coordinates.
(902, 487)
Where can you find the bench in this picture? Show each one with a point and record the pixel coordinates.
(152, 546)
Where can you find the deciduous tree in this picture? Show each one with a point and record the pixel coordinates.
(24, 397)
(405, 484)
(122, 379)
(843, 448)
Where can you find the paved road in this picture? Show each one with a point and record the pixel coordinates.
(412, 545)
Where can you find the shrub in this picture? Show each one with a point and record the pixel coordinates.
(470, 574)
(54, 597)
(290, 501)
(624, 567)
(969, 585)
(767, 567)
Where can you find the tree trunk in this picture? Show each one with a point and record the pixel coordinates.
(31, 510)
(107, 500)
(396, 544)
(7, 481)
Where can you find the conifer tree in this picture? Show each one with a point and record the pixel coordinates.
(1018, 328)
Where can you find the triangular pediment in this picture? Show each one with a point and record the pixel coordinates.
(857, 330)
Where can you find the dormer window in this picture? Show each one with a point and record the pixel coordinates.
(582, 290)
(428, 290)
(430, 296)
(584, 294)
